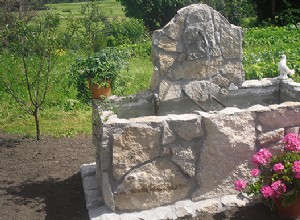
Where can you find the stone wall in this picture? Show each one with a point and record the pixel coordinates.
(156, 160)
(200, 46)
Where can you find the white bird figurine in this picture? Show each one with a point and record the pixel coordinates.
(283, 68)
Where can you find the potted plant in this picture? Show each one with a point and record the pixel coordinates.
(98, 73)
(276, 179)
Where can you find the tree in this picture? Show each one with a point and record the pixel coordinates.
(233, 10)
(93, 24)
(280, 12)
(29, 55)
(155, 13)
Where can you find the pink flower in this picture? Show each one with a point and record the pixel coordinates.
(262, 157)
(240, 184)
(278, 167)
(292, 142)
(267, 192)
(254, 172)
(297, 176)
(279, 188)
(296, 166)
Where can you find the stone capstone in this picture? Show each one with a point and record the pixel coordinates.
(280, 116)
(196, 44)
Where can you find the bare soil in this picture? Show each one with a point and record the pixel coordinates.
(41, 180)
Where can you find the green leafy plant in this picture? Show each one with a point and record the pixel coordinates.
(275, 177)
(102, 69)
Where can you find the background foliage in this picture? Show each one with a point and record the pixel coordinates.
(155, 13)
(80, 34)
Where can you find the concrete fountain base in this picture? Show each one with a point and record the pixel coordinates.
(181, 209)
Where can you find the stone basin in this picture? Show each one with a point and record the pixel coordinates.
(184, 153)
(149, 161)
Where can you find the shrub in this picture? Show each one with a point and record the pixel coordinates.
(126, 31)
(101, 68)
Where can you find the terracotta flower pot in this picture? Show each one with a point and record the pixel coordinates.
(98, 92)
(292, 211)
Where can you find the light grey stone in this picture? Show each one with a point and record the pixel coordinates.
(92, 198)
(220, 80)
(153, 184)
(168, 135)
(90, 182)
(186, 126)
(107, 193)
(229, 143)
(184, 156)
(199, 91)
(294, 130)
(88, 169)
(154, 80)
(233, 87)
(169, 90)
(196, 44)
(184, 208)
(209, 206)
(135, 145)
(269, 138)
(251, 83)
(285, 115)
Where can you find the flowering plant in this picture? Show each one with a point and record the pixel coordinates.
(275, 177)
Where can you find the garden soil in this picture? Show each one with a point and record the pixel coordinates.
(41, 180)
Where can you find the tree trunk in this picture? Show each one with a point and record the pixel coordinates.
(37, 124)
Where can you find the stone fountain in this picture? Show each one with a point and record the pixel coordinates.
(183, 162)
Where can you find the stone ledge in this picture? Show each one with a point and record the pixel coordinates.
(185, 208)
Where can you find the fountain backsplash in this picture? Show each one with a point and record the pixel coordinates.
(149, 161)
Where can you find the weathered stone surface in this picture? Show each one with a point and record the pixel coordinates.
(196, 69)
(199, 91)
(196, 44)
(166, 61)
(153, 184)
(154, 80)
(107, 193)
(230, 141)
(232, 87)
(234, 72)
(169, 90)
(184, 156)
(251, 83)
(168, 135)
(268, 138)
(220, 80)
(280, 116)
(294, 130)
(170, 45)
(224, 186)
(230, 42)
(135, 145)
(174, 29)
(186, 126)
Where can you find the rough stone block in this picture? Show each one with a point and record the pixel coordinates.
(280, 116)
(135, 145)
(153, 184)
